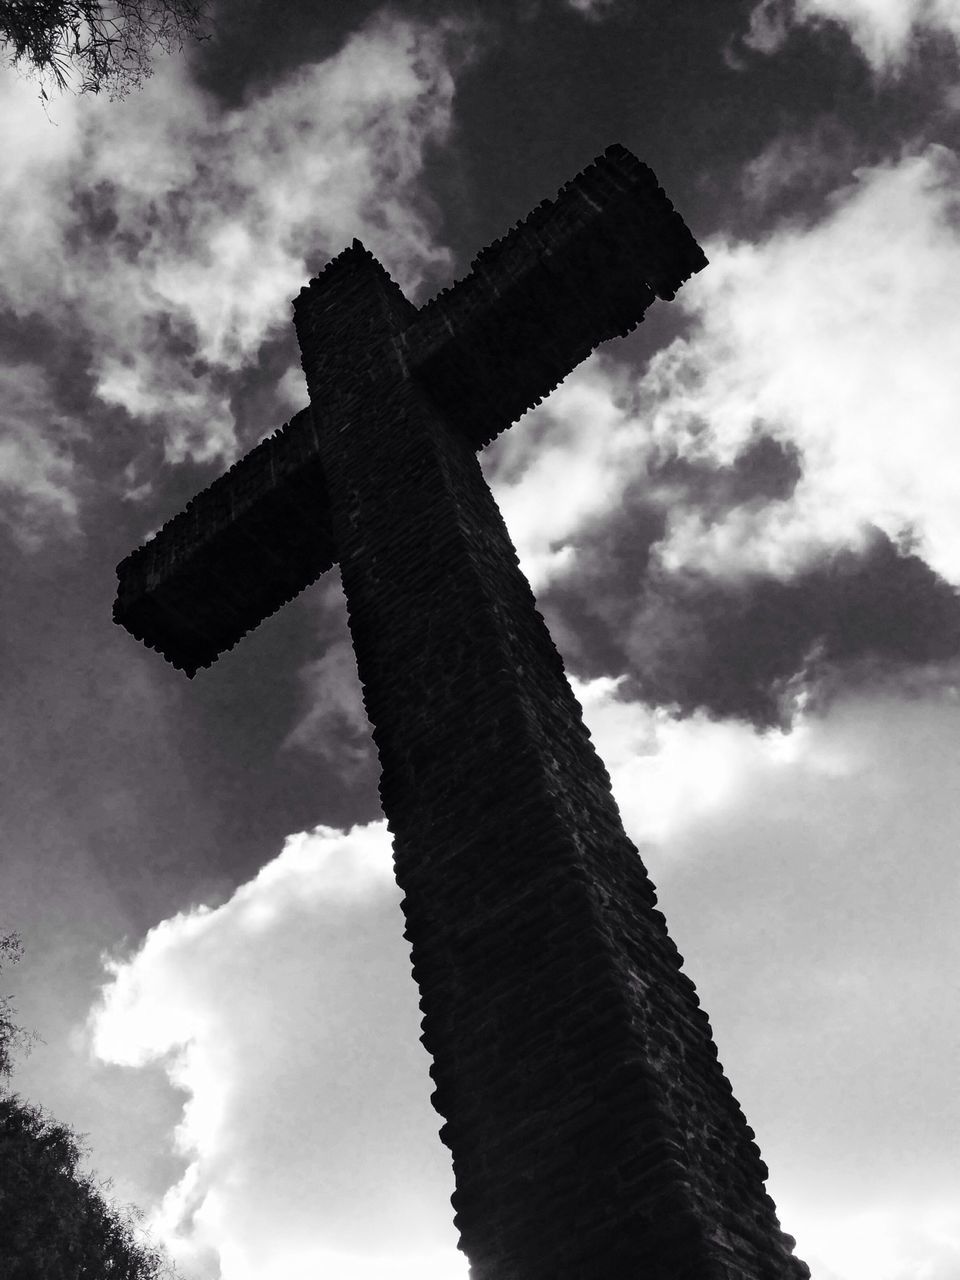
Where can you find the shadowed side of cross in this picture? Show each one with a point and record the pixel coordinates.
(578, 270)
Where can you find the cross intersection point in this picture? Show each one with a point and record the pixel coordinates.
(594, 1135)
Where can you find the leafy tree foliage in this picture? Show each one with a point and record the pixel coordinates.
(55, 1221)
(107, 43)
(12, 1037)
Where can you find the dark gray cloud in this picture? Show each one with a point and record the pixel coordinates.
(64, 352)
(253, 389)
(95, 216)
(747, 650)
(257, 43)
(744, 646)
(766, 470)
(592, 609)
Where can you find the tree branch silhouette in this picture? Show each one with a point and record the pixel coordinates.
(108, 44)
(57, 1222)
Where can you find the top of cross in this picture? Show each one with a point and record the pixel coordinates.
(576, 271)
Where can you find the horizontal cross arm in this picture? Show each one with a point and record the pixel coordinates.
(240, 550)
(580, 269)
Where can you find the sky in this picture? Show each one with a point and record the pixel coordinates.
(741, 523)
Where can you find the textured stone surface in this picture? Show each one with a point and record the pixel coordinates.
(592, 1129)
(242, 548)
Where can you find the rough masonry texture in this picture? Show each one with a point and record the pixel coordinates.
(593, 1132)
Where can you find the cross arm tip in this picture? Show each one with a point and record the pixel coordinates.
(240, 550)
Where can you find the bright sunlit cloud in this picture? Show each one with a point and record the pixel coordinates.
(810, 882)
(670, 773)
(289, 1018)
(564, 465)
(893, 1241)
(839, 339)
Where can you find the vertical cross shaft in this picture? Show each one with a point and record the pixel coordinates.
(592, 1130)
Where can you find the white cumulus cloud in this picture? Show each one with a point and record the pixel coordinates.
(289, 1017)
(669, 773)
(808, 879)
(839, 338)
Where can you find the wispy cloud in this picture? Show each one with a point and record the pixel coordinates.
(884, 30)
(173, 233)
(799, 163)
(593, 10)
(334, 725)
(38, 472)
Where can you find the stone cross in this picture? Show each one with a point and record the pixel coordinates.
(592, 1129)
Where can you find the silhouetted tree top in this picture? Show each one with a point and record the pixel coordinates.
(56, 1222)
(12, 1037)
(107, 43)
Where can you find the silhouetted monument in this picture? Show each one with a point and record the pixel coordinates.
(592, 1129)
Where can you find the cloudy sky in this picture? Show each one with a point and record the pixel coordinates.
(741, 522)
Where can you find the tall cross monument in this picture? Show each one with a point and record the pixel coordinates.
(594, 1134)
